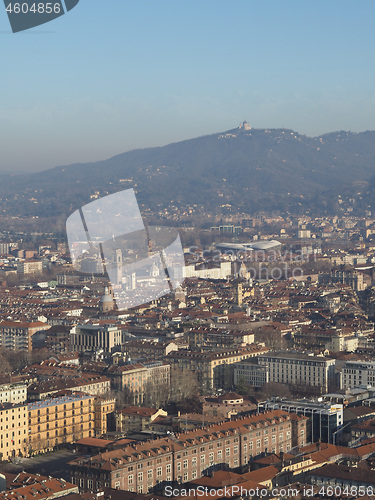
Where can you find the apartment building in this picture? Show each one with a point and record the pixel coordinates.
(213, 369)
(138, 377)
(357, 373)
(137, 349)
(136, 418)
(60, 420)
(42, 488)
(218, 336)
(29, 267)
(17, 335)
(314, 374)
(13, 430)
(104, 409)
(251, 373)
(89, 383)
(13, 393)
(187, 456)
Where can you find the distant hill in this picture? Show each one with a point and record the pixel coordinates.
(250, 170)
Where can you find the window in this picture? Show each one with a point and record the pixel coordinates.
(227, 452)
(203, 458)
(169, 468)
(178, 466)
(130, 479)
(149, 474)
(258, 443)
(185, 464)
(159, 471)
(140, 476)
(194, 461)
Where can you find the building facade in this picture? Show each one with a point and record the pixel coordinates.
(213, 369)
(17, 335)
(250, 373)
(13, 393)
(92, 338)
(60, 420)
(325, 419)
(357, 373)
(13, 430)
(29, 267)
(304, 372)
(138, 378)
(185, 457)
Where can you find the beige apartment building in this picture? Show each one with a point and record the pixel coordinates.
(213, 369)
(29, 267)
(61, 420)
(13, 430)
(29, 428)
(136, 418)
(103, 408)
(138, 377)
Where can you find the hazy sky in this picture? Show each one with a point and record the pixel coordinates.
(114, 75)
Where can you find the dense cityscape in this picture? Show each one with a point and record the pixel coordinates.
(187, 250)
(255, 375)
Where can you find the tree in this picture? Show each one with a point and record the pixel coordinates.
(243, 388)
(271, 338)
(184, 384)
(273, 389)
(156, 394)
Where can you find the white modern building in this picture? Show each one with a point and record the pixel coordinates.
(13, 393)
(301, 371)
(357, 373)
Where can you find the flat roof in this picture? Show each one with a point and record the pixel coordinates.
(57, 401)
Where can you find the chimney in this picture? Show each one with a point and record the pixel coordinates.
(282, 458)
